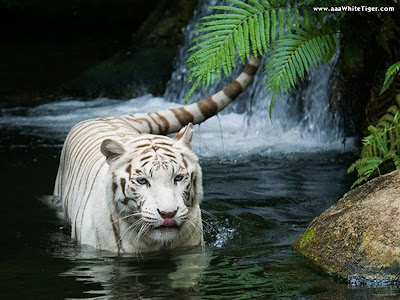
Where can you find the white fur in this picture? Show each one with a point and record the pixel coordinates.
(110, 216)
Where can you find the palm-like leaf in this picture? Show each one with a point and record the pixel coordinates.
(294, 55)
(237, 30)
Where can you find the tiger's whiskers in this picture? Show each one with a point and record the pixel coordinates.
(128, 216)
(132, 226)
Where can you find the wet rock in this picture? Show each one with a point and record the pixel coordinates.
(359, 236)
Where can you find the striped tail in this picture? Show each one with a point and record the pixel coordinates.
(172, 120)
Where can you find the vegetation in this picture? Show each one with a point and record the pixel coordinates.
(294, 39)
(380, 152)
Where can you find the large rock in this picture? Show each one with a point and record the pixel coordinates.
(359, 236)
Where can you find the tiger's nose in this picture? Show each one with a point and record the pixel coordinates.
(167, 214)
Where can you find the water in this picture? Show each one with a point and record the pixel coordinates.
(261, 203)
(264, 180)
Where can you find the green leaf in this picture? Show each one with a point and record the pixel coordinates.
(252, 31)
(273, 27)
(192, 89)
(391, 73)
(232, 9)
(264, 39)
(288, 19)
(256, 4)
(257, 33)
(294, 55)
(238, 38)
(267, 28)
(246, 33)
(245, 6)
(358, 181)
(271, 105)
(280, 22)
(223, 16)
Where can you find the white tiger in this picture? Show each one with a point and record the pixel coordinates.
(127, 188)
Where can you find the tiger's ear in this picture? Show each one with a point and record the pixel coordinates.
(111, 150)
(185, 135)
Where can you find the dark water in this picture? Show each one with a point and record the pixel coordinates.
(261, 205)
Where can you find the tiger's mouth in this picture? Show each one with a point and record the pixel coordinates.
(168, 223)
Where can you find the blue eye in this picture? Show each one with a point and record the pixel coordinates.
(142, 180)
(178, 178)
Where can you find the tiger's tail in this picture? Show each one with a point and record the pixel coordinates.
(172, 120)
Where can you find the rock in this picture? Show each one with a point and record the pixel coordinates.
(359, 236)
(125, 75)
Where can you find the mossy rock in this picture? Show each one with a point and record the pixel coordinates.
(359, 236)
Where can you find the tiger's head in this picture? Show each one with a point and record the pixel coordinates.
(155, 184)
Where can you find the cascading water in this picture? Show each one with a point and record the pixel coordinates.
(300, 122)
(300, 119)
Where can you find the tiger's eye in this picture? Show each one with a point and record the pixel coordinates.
(178, 178)
(142, 180)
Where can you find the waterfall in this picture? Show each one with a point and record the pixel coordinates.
(301, 118)
(300, 121)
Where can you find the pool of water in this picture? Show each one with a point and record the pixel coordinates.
(260, 204)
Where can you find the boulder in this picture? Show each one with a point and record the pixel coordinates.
(358, 238)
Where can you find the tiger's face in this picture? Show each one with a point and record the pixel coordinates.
(155, 186)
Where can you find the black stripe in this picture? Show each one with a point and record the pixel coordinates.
(123, 182)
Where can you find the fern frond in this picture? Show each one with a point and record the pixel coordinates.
(381, 148)
(249, 26)
(391, 73)
(365, 168)
(294, 55)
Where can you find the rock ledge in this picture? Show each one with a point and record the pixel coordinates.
(359, 236)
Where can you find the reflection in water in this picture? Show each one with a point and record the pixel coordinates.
(154, 277)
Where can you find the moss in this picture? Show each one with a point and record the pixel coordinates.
(306, 237)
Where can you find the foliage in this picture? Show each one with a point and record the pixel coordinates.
(391, 73)
(280, 29)
(380, 153)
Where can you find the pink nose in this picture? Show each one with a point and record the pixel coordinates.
(167, 214)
